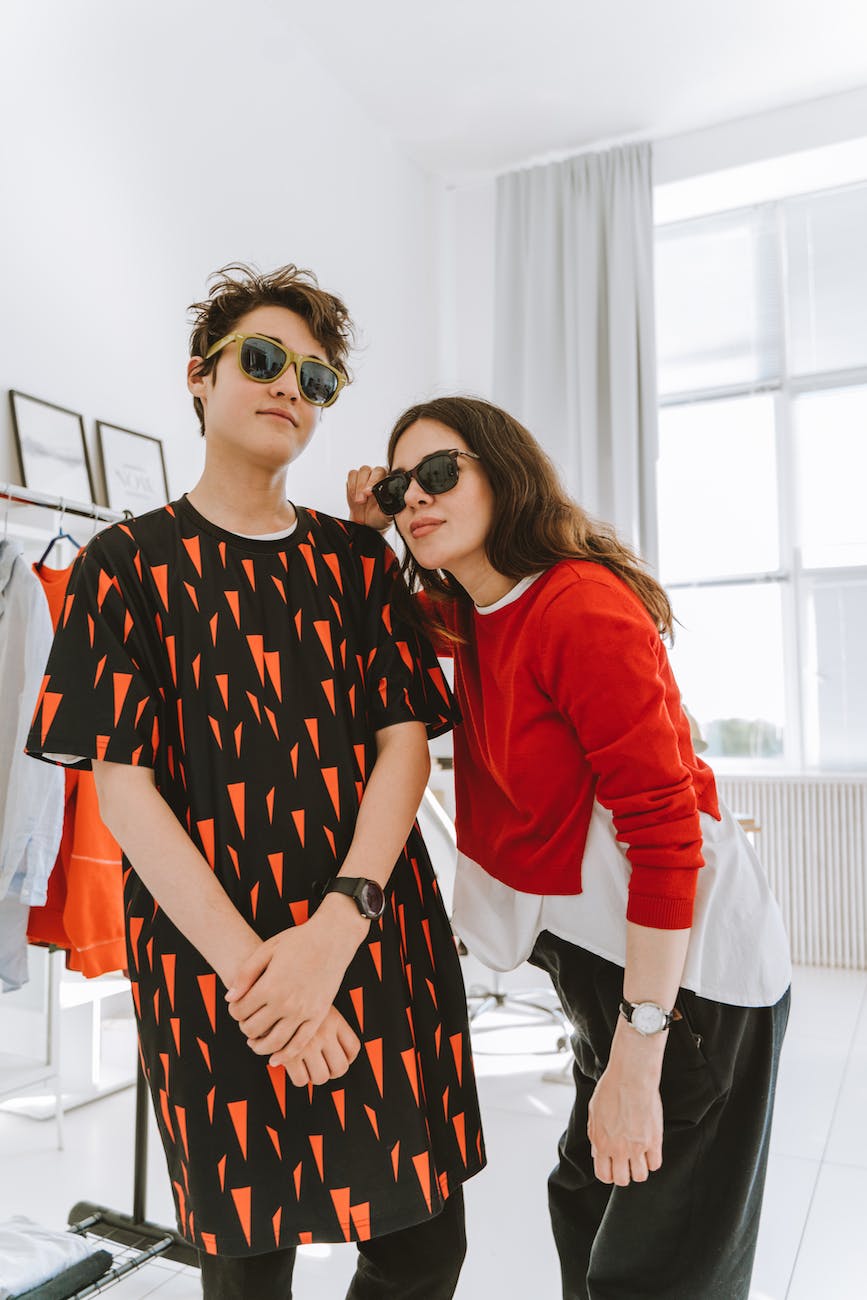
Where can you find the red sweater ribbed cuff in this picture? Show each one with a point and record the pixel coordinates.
(660, 913)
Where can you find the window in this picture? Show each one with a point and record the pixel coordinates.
(762, 476)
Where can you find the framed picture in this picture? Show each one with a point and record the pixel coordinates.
(134, 468)
(51, 448)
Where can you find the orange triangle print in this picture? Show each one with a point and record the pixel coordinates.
(208, 990)
(409, 1064)
(275, 1139)
(191, 592)
(340, 1197)
(241, 1197)
(50, 705)
(374, 1054)
(298, 819)
(121, 687)
(234, 606)
(422, 1169)
(334, 565)
(238, 1112)
(323, 631)
(357, 996)
(236, 795)
(374, 1122)
(395, 1158)
(457, 1044)
(328, 688)
(222, 680)
(159, 573)
(312, 725)
(275, 862)
(460, 1134)
(329, 776)
(339, 1099)
(272, 665)
(277, 1075)
(250, 570)
(316, 1146)
(375, 950)
(275, 1224)
(194, 551)
(169, 960)
(360, 1215)
(256, 644)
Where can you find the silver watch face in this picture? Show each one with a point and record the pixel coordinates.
(648, 1018)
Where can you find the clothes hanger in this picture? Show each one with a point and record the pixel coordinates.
(59, 536)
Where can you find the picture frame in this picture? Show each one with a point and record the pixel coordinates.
(134, 468)
(52, 449)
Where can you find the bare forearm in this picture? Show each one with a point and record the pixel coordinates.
(654, 967)
(172, 869)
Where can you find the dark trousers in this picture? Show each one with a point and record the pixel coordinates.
(418, 1263)
(689, 1232)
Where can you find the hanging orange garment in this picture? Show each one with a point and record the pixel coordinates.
(83, 912)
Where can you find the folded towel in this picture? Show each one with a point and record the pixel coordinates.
(72, 1279)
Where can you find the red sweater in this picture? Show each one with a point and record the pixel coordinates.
(567, 695)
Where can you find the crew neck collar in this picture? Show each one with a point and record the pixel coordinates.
(251, 544)
(515, 594)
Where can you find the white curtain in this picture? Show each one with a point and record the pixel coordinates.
(574, 351)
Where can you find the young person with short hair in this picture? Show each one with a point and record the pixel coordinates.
(236, 671)
(592, 843)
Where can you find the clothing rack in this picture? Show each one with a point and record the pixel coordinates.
(25, 496)
(135, 1239)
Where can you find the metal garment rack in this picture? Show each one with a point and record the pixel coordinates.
(135, 1240)
(16, 494)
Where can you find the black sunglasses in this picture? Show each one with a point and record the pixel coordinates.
(436, 473)
(262, 359)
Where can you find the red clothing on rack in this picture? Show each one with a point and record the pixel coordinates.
(84, 909)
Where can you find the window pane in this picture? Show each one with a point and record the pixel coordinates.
(728, 660)
(831, 475)
(717, 484)
(826, 252)
(836, 684)
(718, 316)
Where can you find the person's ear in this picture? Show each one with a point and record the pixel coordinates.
(196, 381)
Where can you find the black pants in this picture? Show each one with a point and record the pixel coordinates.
(689, 1232)
(418, 1263)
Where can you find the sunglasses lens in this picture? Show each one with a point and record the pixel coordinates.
(318, 383)
(262, 360)
(437, 473)
(390, 493)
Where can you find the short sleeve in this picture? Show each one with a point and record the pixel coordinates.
(98, 699)
(405, 682)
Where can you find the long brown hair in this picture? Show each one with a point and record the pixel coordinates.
(535, 522)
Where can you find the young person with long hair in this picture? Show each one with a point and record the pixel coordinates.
(255, 713)
(592, 843)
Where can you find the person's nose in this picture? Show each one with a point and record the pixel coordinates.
(415, 494)
(286, 385)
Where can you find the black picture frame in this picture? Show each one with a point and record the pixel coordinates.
(134, 468)
(52, 449)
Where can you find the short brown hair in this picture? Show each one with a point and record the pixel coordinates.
(535, 522)
(237, 289)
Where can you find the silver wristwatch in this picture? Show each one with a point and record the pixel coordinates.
(648, 1017)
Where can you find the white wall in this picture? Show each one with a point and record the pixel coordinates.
(822, 143)
(144, 146)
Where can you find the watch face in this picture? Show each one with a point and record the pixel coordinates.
(647, 1018)
(372, 899)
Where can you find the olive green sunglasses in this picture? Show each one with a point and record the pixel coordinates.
(265, 360)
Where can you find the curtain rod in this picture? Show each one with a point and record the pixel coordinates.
(88, 510)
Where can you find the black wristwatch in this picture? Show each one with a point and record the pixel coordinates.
(648, 1017)
(369, 896)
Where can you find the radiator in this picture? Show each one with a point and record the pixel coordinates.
(813, 843)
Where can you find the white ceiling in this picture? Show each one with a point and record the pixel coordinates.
(471, 86)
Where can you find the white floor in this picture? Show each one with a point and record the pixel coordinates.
(814, 1233)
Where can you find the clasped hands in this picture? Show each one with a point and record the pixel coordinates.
(282, 997)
